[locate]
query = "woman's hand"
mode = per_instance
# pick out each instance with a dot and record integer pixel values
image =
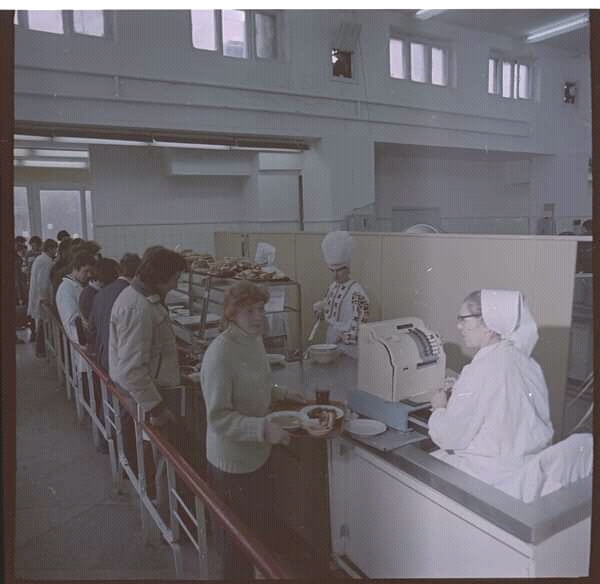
(275, 434)
(439, 399)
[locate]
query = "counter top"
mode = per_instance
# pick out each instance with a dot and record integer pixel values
(530, 522)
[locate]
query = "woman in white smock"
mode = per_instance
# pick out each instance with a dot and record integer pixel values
(497, 416)
(346, 304)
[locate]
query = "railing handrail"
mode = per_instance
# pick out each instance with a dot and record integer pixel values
(244, 537)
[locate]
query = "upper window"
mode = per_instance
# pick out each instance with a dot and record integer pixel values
(509, 78)
(85, 22)
(235, 33)
(417, 60)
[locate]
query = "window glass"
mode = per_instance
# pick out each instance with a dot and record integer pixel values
(266, 47)
(88, 215)
(234, 33)
(397, 59)
(506, 78)
(60, 210)
(438, 67)
(492, 67)
(203, 29)
(417, 62)
(21, 212)
(523, 89)
(90, 22)
(46, 20)
(16, 19)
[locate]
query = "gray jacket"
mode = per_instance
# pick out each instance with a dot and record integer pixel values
(142, 353)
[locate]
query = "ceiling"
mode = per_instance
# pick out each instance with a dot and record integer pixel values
(517, 23)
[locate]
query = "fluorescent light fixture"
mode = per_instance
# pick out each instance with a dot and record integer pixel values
(557, 28)
(107, 141)
(20, 152)
(196, 146)
(31, 138)
(427, 13)
(47, 153)
(40, 163)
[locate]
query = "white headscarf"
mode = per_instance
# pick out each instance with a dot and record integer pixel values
(337, 248)
(507, 313)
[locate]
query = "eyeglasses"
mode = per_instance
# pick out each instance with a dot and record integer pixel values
(463, 317)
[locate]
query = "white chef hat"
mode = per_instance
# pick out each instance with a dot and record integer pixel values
(337, 248)
(507, 313)
(265, 254)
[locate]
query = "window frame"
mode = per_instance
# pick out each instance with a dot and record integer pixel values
(250, 31)
(429, 43)
(515, 62)
(22, 17)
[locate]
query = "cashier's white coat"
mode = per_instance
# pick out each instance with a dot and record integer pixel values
(497, 417)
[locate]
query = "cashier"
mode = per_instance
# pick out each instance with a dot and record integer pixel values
(346, 304)
(497, 415)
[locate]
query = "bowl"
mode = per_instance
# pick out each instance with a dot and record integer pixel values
(323, 354)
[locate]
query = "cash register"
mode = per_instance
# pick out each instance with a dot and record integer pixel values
(401, 362)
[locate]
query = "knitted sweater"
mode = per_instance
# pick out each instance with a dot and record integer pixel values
(236, 384)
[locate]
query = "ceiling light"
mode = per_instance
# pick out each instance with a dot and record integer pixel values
(197, 146)
(45, 152)
(557, 28)
(106, 141)
(427, 13)
(49, 163)
(20, 152)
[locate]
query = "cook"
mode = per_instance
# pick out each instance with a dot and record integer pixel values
(236, 384)
(498, 414)
(346, 304)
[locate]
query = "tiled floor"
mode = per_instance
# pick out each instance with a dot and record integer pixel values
(69, 522)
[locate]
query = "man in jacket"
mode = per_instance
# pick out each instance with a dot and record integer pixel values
(142, 351)
(40, 288)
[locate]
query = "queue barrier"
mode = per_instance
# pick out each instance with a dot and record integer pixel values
(72, 363)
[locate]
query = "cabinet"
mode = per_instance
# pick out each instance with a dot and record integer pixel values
(390, 524)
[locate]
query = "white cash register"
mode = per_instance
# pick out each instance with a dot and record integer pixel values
(400, 364)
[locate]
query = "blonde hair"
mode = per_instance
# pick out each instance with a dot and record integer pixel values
(242, 294)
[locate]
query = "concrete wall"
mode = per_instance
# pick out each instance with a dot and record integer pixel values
(149, 76)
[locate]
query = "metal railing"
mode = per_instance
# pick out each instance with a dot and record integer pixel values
(170, 514)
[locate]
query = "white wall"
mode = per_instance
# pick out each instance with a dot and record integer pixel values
(149, 76)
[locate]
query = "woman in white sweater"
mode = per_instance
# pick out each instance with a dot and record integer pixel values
(236, 384)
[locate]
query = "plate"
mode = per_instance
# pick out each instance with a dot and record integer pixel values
(275, 359)
(306, 410)
(287, 419)
(365, 427)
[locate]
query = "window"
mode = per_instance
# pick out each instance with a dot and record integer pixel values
(419, 61)
(235, 33)
(341, 63)
(509, 78)
(21, 212)
(84, 22)
(61, 210)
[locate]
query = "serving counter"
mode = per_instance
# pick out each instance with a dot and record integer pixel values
(405, 514)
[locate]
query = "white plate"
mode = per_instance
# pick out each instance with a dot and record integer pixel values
(365, 427)
(306, 410)
(287, 419)
(274, 358)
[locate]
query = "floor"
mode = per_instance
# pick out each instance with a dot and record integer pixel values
(69, 522)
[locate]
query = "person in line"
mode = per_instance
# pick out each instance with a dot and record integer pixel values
(236, 383)
(346, 304)
(498, 413)
(105, 271)
(69, 290)
(62, 262)
(62, 235)
(102, 303)
(40, 288)
(142, 351)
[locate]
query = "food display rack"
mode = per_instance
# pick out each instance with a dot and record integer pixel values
(205, 294)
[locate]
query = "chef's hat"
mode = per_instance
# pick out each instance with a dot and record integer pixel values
(265, 254)
(507, 313)
(337, 248)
